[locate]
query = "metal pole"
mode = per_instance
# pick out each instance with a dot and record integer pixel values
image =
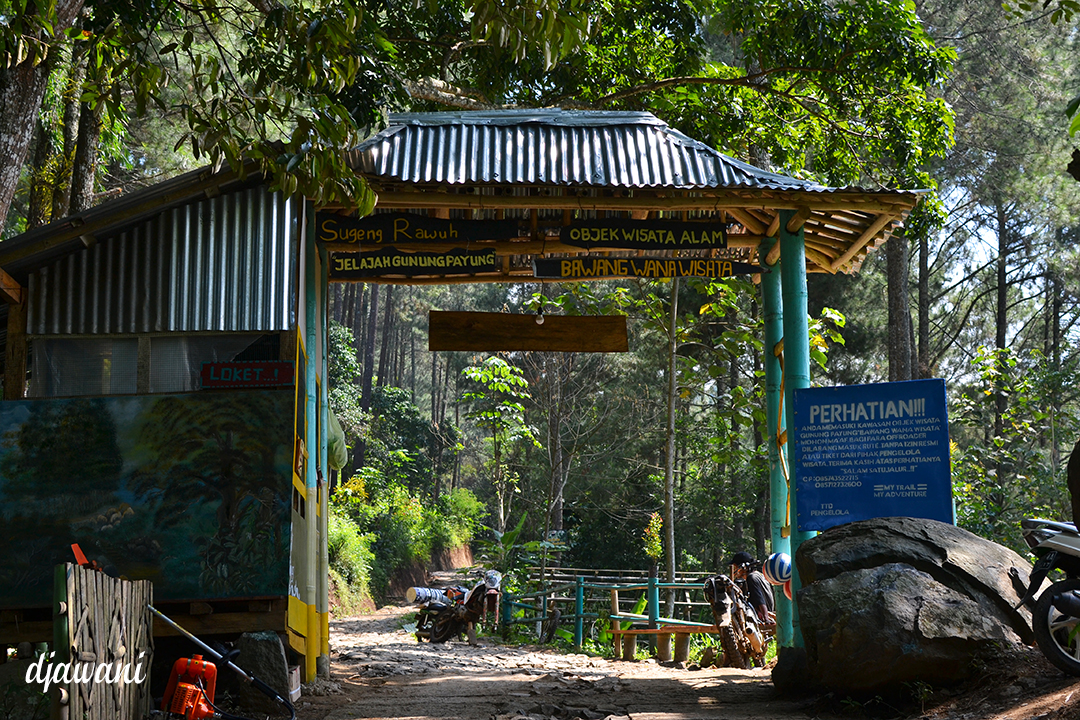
(796, 375)
(218, 658)
(579, 610)
(653, 601)
(773, 315)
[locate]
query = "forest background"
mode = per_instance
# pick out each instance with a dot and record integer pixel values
(967, 98)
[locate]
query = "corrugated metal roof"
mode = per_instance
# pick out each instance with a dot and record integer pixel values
(554, 147)
(224, 264)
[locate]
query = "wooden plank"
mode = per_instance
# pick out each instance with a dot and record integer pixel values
(504, 331)
(142, 366)
(222, 623)
(11, 291)
(15, 354)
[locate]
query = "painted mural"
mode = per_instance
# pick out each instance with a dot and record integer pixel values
(189, 491)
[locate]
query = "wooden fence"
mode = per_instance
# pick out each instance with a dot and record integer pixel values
(102, 622)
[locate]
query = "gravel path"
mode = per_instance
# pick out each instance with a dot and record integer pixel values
(381, 671)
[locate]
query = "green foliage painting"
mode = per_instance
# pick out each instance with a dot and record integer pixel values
(188, 491)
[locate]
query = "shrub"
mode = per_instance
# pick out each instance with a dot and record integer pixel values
(349, 553)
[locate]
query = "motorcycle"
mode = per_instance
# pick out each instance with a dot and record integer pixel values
(741, 636)
(450, 612)
(1056, 613)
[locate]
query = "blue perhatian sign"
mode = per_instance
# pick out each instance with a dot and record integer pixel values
(866, 451)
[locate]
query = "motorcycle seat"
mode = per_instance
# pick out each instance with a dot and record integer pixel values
(1054, 525)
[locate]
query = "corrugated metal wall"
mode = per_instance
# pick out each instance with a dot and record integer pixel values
(226, 264)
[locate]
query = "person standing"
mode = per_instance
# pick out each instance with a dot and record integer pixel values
(746, 571)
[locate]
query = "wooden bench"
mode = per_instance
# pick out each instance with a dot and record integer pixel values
(682, 632)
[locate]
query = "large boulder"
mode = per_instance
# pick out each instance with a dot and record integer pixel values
(890, 601)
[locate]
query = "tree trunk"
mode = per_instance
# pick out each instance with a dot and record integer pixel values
(924, 307)
(61, 200)
(22, 88)
(669, 463)
(41, 181)
(387, 330)
(900, 350)
(1001, 319)
(84, 166)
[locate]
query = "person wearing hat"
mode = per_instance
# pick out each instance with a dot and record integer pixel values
(746, 571)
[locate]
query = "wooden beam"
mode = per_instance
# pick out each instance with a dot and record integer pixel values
(798, 219)
(749, 221)
(774, 254)
(15, 354)
(819, 258)
(10, 289)
(504, 331)
(512, 247)
(774, 226)
(818, 202)
(868, 235)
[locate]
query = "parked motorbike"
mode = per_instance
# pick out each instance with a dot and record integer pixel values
(446, 613)
(1056, 614)
(741, 636)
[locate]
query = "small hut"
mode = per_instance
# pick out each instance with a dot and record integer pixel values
(165, 399)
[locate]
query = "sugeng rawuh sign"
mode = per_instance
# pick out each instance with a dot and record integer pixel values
(866, 451)
(391, 228)
(645, 234)
(351, 265)
(608, 267)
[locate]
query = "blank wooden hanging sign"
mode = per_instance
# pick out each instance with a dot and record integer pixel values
(491, 332)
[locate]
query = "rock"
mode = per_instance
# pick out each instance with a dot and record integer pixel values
(872, 630)
(263, 656)
(890, 601)
(972, 566)
(791, 674)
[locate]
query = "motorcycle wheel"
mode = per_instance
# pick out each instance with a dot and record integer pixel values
(1055, 632)
(443, 628)
(728, 641)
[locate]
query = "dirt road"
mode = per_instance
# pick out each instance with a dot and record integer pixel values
(380, 671)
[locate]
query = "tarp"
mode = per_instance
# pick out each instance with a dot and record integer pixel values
(336, 449)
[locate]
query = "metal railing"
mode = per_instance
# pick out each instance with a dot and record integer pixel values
(614, 602)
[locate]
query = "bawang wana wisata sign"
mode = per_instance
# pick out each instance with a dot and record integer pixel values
(592, 268)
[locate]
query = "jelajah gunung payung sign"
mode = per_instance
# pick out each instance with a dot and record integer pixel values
(865, 451)
(349, 266)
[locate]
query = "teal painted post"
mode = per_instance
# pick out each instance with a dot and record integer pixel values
(653, 601)
(579, 610)
(796, 375)
(772, 310)
(311, 441)
(507, 611)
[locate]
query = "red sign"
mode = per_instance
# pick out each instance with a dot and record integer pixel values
(246, 374)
